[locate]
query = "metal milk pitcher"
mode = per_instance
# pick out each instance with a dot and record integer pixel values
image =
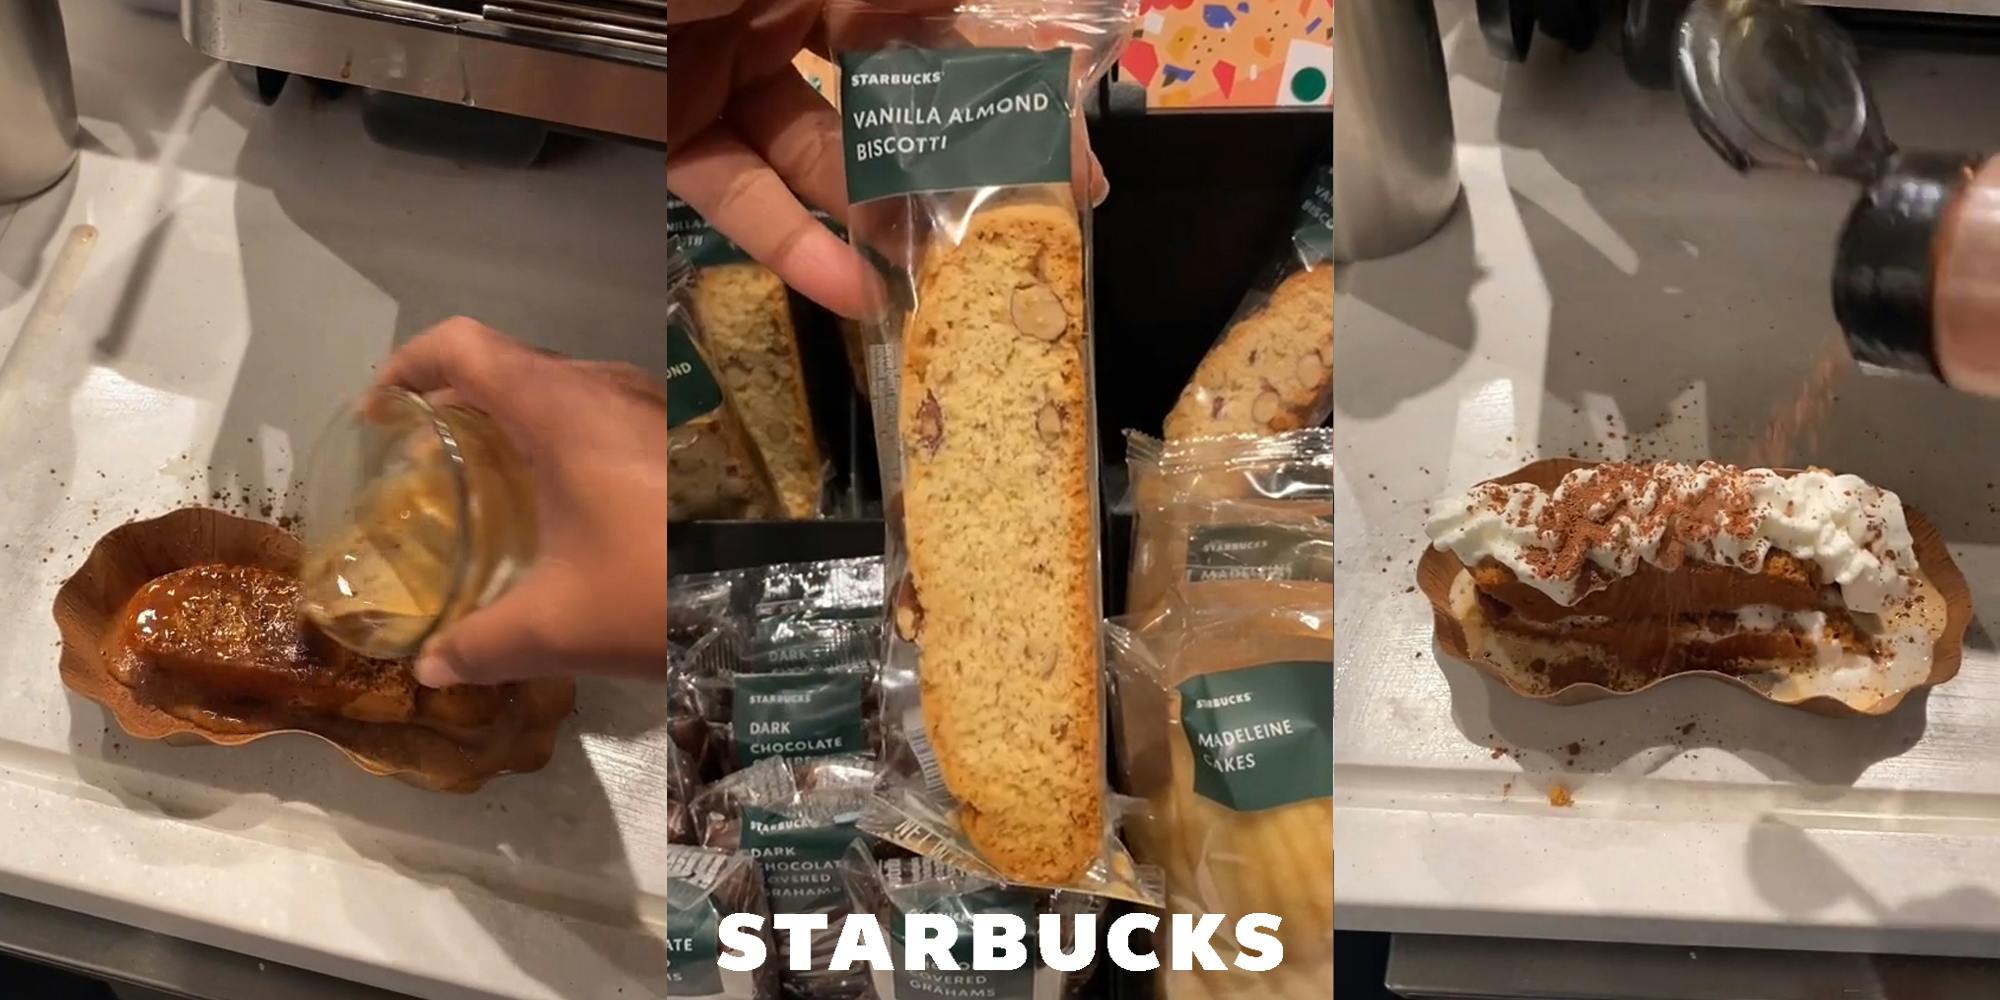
(37, 99)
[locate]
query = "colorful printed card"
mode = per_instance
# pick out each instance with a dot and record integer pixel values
(1232, 53)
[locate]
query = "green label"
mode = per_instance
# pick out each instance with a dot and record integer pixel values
(943, 120)
(808, 714)
(704, 246)
(697, 239)
(1313, 233)
(1259, 552)
(800, 858)
(1261, 736)
(937, 984)
(693, 941)
(691, 388)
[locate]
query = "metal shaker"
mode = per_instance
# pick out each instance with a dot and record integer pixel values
(1395, 176)
(37, 99)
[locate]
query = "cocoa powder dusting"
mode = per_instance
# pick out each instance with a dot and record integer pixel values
(1623, 502)
(1797, 421)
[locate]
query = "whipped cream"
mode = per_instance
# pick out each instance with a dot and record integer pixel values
(1613, 517)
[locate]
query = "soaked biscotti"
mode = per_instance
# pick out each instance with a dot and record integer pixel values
(1001, 592)
(1271, 371)
(745, 314)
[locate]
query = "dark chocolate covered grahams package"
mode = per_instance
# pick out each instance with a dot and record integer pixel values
(705, 886)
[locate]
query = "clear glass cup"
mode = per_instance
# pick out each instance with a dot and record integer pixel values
(415, 516)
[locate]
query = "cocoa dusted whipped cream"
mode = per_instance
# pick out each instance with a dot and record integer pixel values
(1600, 523)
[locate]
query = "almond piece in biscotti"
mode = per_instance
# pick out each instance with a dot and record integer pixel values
(1283, 349)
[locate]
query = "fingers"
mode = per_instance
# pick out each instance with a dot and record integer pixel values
(507, 640)
(799, 134)
(745, 200)
(460, 354)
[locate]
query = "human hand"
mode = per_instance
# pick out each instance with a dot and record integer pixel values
(593, 436)
(748, 137)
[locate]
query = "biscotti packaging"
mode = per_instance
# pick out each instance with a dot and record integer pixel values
(1240, 506)
(1272, 368)
(744, 313)
(703, 887)
(963, 154)
(894, 888)
(713, 469)
(798, 819)
(1225, 704)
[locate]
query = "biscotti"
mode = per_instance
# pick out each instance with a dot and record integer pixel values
(1000, 595)
(713, 470)
(745, 313)
(1271, 371)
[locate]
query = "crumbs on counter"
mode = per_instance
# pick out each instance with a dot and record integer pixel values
(1560, 797)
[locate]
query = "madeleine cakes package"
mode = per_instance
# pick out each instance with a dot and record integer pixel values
(960, 141)
(1272, 368)
(1225, 696)
(713, 469)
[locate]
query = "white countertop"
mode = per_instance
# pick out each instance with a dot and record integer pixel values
(251, 265)
(1608, 289)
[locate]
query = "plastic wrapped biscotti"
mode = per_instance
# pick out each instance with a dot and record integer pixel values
(745, 316)
(1225, 702)
(1272, 368)
(713, 469)
(961, 136)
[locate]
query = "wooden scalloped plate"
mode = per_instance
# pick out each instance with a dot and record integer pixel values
(87, 609)
(1437, 570)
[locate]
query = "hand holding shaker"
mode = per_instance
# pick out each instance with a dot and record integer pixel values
(1916, 282)
(37, 99)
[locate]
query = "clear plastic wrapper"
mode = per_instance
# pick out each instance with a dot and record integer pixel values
(1239, 505)
(892, 888)
(1225, 702)
(698, 603)
(963, 158)
(713, 468)
(748, 326)
(703, 887)
(798, 818)
(1272, 368)
(784, 659)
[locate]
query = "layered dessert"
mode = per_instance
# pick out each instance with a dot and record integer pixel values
(1799, 584)
(227, 644)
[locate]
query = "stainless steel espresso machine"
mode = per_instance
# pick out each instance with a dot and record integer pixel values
(594, 65)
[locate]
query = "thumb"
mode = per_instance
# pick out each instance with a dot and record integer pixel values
(512, 639)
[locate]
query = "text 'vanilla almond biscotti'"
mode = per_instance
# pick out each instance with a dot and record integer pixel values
(959, 132)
